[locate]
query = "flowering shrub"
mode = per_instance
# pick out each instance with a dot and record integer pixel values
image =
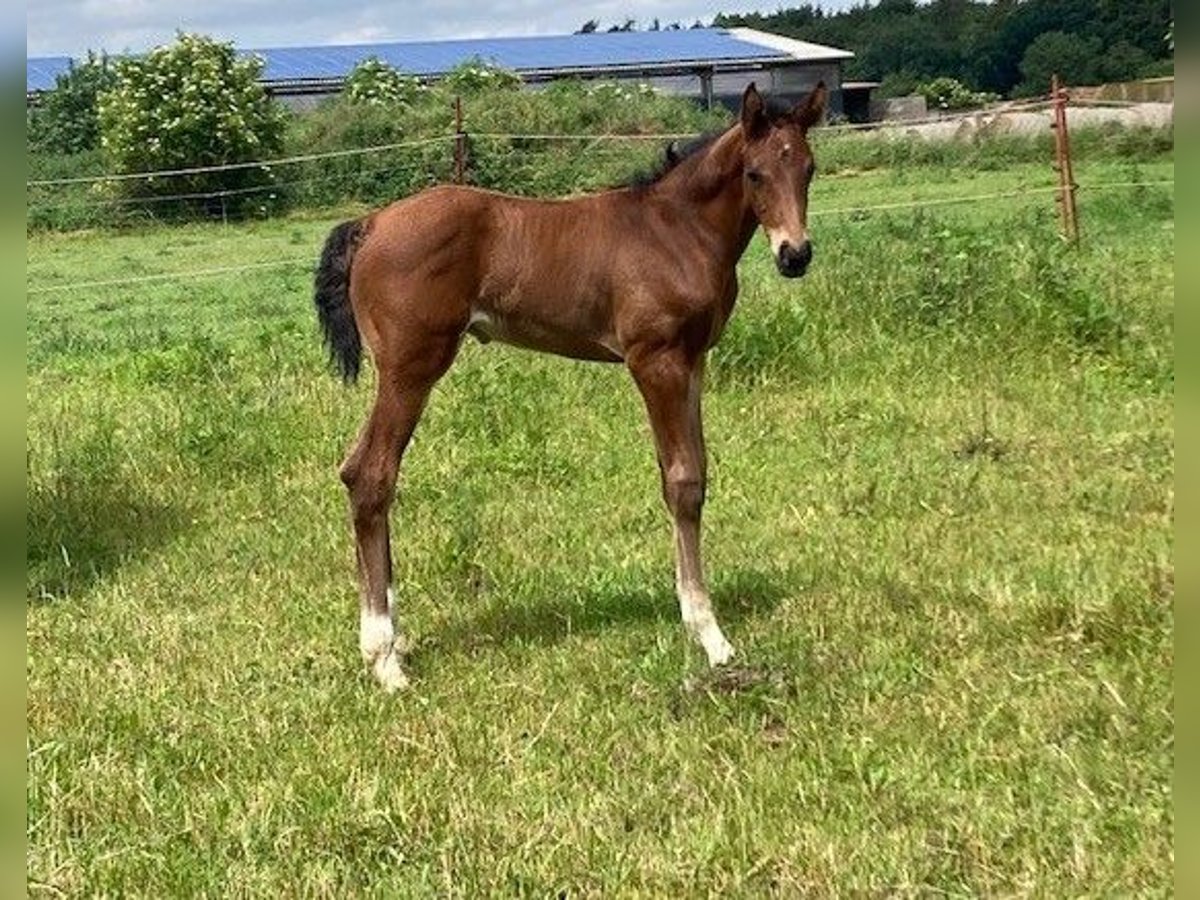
(950, 93)
(619, 91)
(374, 83)
(187, 104)
(475, 76)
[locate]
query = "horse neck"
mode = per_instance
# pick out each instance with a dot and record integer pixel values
(711, 182)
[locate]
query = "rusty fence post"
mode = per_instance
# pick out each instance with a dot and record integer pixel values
(460, 142)
(1062, 163)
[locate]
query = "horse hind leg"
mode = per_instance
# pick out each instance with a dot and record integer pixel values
(370, 473)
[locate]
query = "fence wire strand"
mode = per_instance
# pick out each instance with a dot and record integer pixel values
(851, 210)
(232, 167)
(215, 195)
(171, 276)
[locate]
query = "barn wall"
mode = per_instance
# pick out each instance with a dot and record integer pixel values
(788, 81)
(791, 82)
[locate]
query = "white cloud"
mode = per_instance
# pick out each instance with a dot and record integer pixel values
(364, 34)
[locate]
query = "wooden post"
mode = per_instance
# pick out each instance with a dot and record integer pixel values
(460, 142)
(706, 87)
(1062, 163)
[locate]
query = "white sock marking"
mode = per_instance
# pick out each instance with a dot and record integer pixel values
(700, 622)
(380, 648)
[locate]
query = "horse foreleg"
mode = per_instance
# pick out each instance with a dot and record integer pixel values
(670, 384)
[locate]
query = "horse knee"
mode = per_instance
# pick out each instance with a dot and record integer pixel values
(684, 495)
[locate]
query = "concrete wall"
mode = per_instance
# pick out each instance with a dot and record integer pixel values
(1150, 90)
(898, 108)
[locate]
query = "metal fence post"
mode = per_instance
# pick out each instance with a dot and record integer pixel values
(460, 142)
(1062, 163)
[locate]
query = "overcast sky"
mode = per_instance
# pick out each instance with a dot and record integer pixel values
(71, 27)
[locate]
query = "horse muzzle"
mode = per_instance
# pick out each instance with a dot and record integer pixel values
(792, 261)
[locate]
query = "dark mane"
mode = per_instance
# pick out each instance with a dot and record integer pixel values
(674, 153)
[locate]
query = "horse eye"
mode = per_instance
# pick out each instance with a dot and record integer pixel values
(754, 175)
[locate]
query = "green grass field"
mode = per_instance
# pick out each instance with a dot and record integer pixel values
(939, 533)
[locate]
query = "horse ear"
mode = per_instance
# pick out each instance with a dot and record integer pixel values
(808, 111)
(754, 112)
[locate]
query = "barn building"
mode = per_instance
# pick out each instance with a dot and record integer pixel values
(713, 65)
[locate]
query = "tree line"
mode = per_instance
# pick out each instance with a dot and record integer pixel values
(1008, 47)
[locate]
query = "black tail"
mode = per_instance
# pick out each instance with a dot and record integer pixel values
(332, 298)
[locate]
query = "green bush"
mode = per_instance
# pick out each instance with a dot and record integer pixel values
(1158, 69)
(192, 103)
(950, 93)
(475, 76)
(514, 164)
(897, 84)
(986, 150)
(1071, 56)
(1122, 62)
(374, 83)
(65, 120)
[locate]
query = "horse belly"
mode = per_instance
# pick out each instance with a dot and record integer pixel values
(488, 326)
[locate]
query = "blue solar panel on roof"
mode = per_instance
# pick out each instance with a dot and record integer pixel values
(41, 72)
(549, 52)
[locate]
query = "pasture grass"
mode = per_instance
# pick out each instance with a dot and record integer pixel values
(939, 534)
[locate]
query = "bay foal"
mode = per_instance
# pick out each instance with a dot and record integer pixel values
(644, 275)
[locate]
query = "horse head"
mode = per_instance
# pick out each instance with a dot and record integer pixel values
(778, 168)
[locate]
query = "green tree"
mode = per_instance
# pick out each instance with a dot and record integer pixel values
(911, 45)
(1123, 61)
(191, 103)
(1137, 22)
(66, 118)
(1072, 57)
(979, 42)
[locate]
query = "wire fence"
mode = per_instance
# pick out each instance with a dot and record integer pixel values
(266, 188)
(308, 262)
(264, 164)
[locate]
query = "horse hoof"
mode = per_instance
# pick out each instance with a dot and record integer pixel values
(389, 674)
(716, 647)
(720, 656)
